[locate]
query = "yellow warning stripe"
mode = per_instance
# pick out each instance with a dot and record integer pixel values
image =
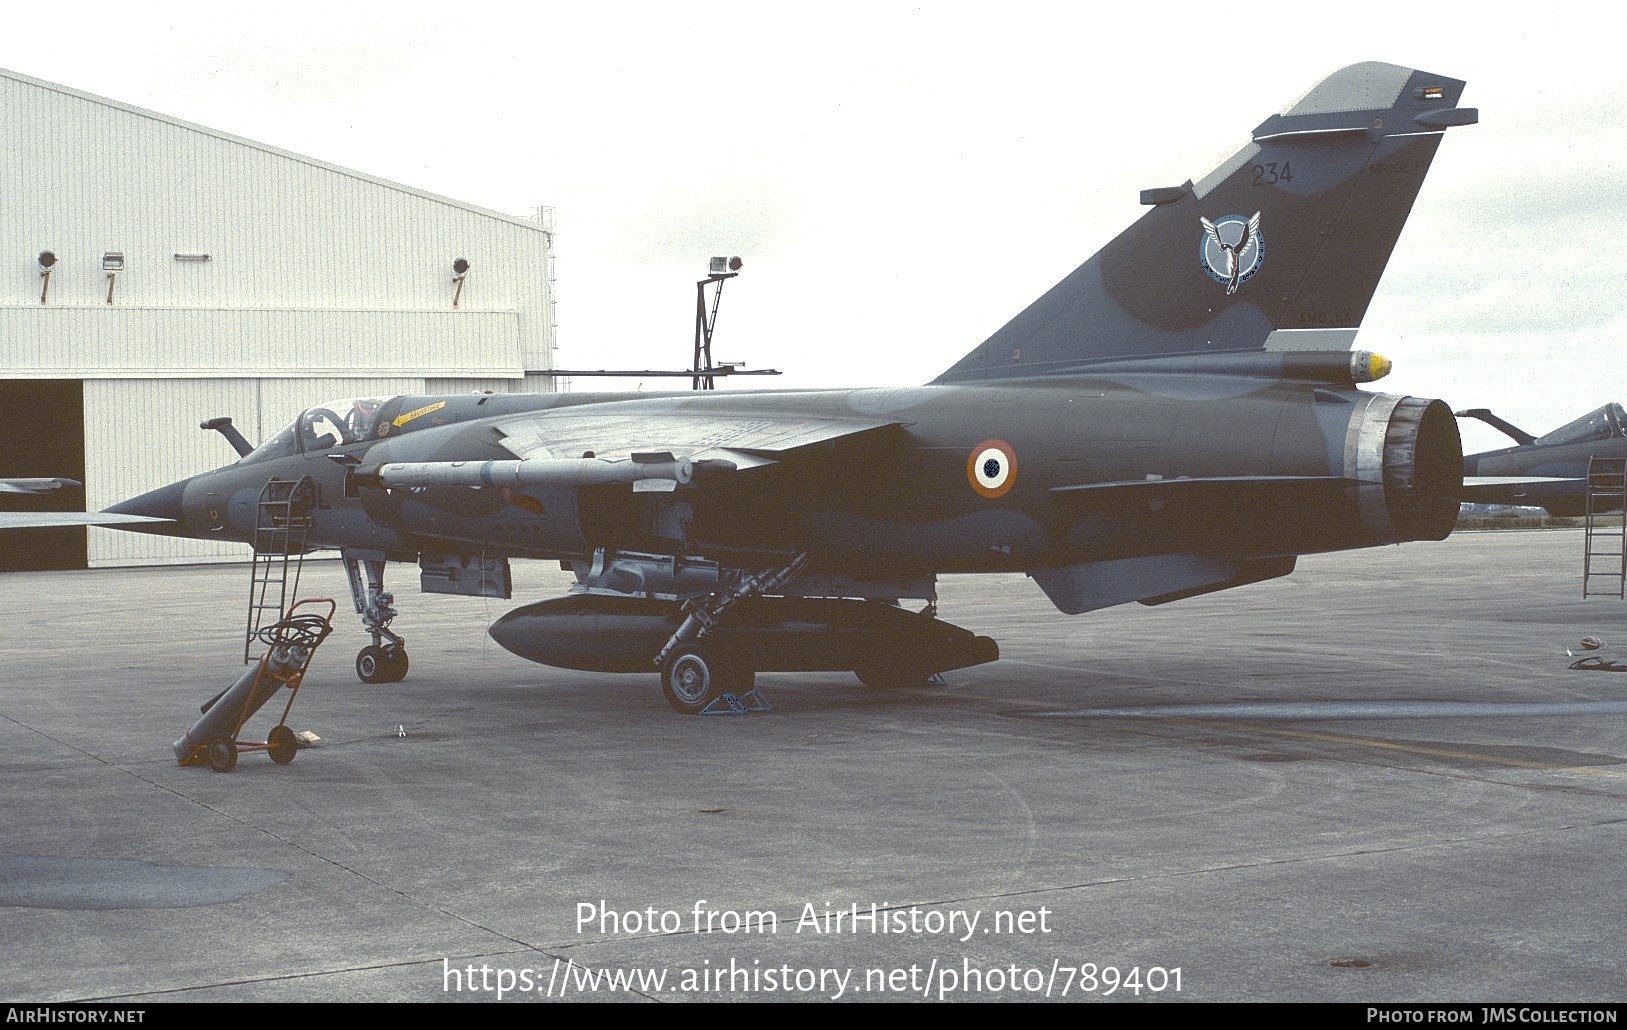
(401, 420)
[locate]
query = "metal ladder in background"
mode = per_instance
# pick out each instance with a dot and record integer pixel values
(281, 522)
(1604, 565)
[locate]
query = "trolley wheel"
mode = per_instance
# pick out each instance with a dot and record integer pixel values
(222, 755)
(282, 745)
(395, 664)
(370, 665)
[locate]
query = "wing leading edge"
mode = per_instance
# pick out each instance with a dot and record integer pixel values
(696, 435)
(54, 519)
(652, 452)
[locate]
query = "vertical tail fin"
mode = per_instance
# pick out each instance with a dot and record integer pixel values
(1279, 248)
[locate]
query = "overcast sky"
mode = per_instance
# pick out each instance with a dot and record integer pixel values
(901, 179)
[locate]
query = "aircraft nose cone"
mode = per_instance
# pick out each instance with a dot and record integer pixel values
(163, 503)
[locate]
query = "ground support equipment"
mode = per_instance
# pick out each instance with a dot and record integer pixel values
(292, 642)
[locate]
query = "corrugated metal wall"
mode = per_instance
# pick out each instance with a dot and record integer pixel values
(477, 385)
(318, 283)
(191, 343)
(84, 177)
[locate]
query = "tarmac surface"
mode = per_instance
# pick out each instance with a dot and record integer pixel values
(1373, 781)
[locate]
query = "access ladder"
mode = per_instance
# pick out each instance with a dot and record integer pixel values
(1604, 564)
(282, 519)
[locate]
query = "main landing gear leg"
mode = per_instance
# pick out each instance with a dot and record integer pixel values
(693, 673)
(385, 659)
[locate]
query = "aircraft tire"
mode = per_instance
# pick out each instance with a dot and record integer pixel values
(371, 666)
(395, 664)
(222, 755)
(693, 678)
(282, 745)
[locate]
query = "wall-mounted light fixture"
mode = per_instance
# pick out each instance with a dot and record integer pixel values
(47, 262)
(191, 257)
(460, 270)
(112, 264)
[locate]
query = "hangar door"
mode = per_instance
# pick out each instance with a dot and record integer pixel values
(42, 433)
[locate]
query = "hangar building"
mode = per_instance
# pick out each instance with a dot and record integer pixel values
(155, 273)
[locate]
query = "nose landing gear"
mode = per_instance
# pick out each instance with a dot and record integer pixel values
(385, 659)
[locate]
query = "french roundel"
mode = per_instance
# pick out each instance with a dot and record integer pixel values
(992, 468)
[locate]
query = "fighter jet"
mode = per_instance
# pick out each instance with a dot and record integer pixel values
(1179, 415)
(1548, 471)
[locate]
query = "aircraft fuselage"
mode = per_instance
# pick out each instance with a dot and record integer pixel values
(1178, 415)
(1084, 469)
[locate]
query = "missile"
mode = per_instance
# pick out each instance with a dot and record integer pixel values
(647, 472)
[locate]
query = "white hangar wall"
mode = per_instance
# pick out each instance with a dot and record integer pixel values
(200, 274)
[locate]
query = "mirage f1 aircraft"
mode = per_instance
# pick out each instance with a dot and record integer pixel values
(1179, 415)
(1548, 471)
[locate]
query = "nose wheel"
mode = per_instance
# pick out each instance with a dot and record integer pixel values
(386, 664)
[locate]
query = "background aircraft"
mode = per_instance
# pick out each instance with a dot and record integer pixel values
(1178, 415)
(1548, 471)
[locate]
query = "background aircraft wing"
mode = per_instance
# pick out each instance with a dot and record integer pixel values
(1529, 491)
(35, 486)
(50, 519)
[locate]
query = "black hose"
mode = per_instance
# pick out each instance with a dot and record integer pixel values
(298, 630)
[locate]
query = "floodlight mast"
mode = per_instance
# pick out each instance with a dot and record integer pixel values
(722, 269)
(701, 371)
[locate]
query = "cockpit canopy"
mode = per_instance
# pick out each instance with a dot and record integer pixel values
(1607, 423)
(326, 425)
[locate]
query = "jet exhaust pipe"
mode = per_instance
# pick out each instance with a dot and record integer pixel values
(601, 633)
(1407, 458)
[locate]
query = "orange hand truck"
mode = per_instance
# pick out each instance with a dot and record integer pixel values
(291, 644)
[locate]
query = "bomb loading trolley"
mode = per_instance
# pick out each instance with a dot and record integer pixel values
(292, 642)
